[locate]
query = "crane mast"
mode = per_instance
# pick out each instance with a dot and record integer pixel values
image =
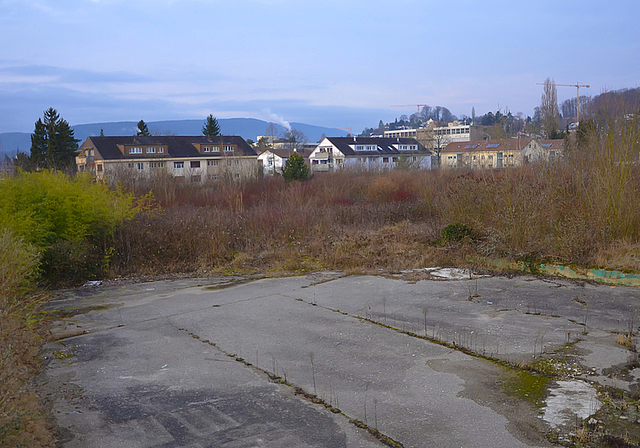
(577, 86)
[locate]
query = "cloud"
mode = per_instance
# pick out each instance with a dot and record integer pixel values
(70, 75)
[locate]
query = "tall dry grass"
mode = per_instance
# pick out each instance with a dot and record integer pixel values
(582, 210)
(22, 420)
(391, 221)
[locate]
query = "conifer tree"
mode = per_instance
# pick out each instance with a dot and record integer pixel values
(211, 127)
(295, 168)
(53, 144)
(143, 130)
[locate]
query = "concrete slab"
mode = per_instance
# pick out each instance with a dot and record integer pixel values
(149, 363)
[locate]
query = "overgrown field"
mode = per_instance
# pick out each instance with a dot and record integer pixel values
(562, 213)
(56, 230)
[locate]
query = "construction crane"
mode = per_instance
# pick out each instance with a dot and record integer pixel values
(412, 105)
(350, 130)
(577, 86)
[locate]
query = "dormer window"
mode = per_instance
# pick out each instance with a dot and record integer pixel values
(151, 149)
(135, 150)
(206, 149)
(228, 148)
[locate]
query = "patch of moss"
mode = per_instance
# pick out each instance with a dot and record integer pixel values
(553, 367)
(527, 386)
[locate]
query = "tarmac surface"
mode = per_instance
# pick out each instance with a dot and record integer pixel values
(227, 362)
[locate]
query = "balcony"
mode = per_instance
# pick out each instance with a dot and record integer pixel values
(321, 156)
(322, 167)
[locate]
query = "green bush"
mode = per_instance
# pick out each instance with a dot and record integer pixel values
(18, 268)
(68, 220)
(456, 232)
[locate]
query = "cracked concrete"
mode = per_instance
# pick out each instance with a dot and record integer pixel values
(150, 362)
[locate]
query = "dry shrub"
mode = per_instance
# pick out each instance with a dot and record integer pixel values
(620, 255)
(22, 421)
(625, 339)
(578, 210)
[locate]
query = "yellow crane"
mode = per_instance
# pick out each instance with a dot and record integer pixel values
(350, 130)
(577, 86)
(411, 105)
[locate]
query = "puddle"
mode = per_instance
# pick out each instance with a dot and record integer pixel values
(453, 273)
(568, 400)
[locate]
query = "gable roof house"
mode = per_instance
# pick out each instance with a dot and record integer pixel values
(274, 159)
(480, 154)
(369, 153)
(187, 158)
(553, 149)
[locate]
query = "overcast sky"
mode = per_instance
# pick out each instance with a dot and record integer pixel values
(330, 63)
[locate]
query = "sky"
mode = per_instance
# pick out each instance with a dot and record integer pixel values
(329, 63)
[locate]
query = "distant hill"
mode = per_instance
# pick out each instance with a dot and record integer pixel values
(13, 142)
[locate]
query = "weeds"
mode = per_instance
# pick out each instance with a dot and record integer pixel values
(22, 422)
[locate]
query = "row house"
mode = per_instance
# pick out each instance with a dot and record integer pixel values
(369, 153)
(187, 158)
(503, 153)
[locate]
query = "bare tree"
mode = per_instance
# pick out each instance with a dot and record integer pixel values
(549, 108)
(271, 133)
(294, 139)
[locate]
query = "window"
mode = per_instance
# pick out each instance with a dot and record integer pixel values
(178, 165)
(207, 149)
(160, 150)
(491, 157)
(151, 149)
(131, 165)
(135, 150)
(156, 164)
(395, 160)
(385, 160)
(212, 163)
(99, 168)
(195, 164)
(215, 149)
(228, 148)
(237, 162)
(195, 179)
(140, 165)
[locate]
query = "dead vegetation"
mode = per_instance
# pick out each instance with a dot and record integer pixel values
(390, 221)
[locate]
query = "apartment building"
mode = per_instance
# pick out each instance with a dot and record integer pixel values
(186, 158)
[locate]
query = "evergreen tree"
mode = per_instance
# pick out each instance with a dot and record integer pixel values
(295, 168)
(211, 127)
(53, 144)
(143, 130)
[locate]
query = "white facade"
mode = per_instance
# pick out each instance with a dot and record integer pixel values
(272, 163)
(456, 132)
(368, 154)
(401, 133)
